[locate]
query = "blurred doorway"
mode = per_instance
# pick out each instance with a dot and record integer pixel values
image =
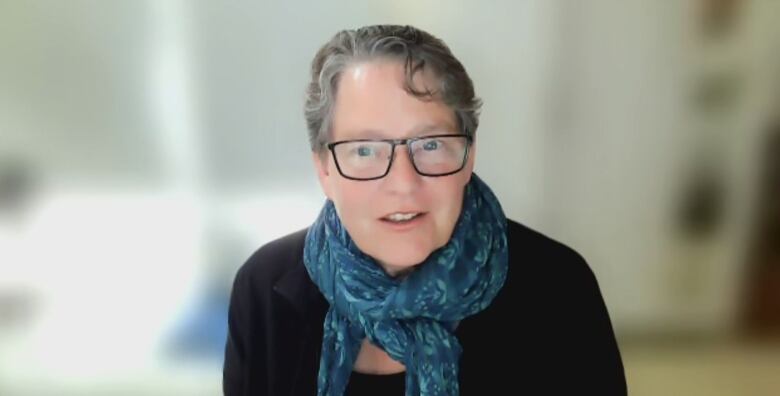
(762, 290)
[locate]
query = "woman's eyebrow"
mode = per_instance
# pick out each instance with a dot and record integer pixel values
(366, 134)
(428, 128)
(421, 130)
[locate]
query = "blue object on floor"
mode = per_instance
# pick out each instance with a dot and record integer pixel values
(202, 333)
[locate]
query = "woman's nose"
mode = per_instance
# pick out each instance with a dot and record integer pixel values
(402, 177)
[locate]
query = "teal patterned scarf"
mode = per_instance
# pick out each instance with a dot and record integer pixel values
(412, 319)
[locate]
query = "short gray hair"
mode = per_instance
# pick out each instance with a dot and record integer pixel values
(417, 50)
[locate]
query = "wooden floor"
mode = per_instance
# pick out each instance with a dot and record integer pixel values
(722, 369)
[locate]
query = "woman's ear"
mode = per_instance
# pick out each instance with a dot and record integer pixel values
(470, 161)
(472, 156)
(320, 160)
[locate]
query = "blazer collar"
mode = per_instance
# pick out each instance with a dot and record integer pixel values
(295, 285)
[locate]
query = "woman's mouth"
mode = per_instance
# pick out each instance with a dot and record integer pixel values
(403, 218)
(400, 217)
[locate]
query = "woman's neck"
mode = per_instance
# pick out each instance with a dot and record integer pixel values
(373, 360)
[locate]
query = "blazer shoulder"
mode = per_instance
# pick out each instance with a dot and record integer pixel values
(544, 253)
(272, 260)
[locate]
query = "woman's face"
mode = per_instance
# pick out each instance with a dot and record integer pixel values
(372, 103)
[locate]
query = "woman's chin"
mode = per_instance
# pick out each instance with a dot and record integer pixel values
(401, 264)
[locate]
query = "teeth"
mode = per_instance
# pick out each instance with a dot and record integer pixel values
(402, 216)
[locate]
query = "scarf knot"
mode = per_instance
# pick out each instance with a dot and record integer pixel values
(412, 319)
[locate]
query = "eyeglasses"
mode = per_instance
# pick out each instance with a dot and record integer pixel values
(370, 159)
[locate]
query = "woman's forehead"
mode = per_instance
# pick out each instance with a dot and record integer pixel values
(372, 102)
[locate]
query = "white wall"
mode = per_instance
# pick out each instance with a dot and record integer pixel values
(185, 118)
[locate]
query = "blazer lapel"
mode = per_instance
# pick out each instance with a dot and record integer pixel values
(296, 288)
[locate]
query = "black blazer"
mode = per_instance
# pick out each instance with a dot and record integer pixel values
(546, 333)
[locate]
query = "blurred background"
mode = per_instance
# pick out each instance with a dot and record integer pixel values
(147, 148)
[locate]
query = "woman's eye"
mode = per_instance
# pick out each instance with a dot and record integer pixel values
(431, 145)
(364, 151)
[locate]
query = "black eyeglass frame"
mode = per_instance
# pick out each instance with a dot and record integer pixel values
(398, 142)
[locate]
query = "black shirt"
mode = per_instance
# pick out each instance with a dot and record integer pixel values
(376, 385)
(546, 333)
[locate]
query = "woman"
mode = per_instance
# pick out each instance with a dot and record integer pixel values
(411, 280)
